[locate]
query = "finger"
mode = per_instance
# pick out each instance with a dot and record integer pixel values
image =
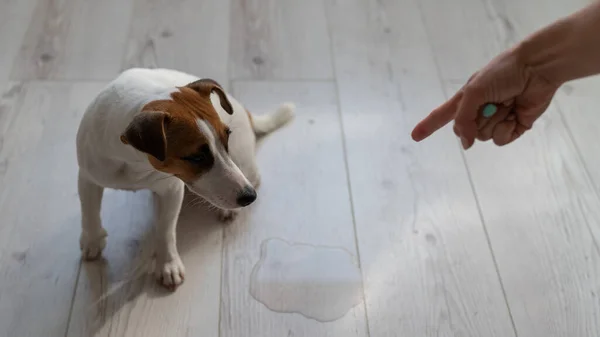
(485, 133)
(527, 117)
(517, 124)
(503, 132)
(509, 131)
(439, 117)
(466, 115)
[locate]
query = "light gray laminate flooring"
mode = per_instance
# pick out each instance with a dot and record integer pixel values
(413, 240)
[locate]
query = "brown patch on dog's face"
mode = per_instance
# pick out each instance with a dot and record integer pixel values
(188, 153)
(167, 130)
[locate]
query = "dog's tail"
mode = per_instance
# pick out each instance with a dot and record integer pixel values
(265, 124)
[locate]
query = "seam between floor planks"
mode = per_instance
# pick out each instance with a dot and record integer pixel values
(470, 178)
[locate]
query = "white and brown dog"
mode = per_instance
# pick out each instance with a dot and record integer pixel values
(162, 130)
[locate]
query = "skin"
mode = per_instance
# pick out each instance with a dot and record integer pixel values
(521, 82)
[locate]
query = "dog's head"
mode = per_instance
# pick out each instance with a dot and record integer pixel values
(184, 136)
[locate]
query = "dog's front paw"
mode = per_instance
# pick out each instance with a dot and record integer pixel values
(227, 215)
(170, 273)
(92, 244)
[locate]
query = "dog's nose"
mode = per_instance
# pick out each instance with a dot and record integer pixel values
(247, 196)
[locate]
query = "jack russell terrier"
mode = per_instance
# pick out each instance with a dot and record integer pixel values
(162, 130)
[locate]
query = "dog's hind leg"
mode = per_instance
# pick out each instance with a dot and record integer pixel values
(93, 235)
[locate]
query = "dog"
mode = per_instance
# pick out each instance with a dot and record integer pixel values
(163, 130)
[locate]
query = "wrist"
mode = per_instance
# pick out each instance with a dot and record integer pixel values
(568, 49)
(552, 53)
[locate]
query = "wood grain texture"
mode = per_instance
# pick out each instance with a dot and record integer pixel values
(39, 217)
(74, 40)
(187, 35)
(427, 266)
(15, 16)
(303, 198)
(578, 102)
(279, 39)
(118, 296)
(537, 201)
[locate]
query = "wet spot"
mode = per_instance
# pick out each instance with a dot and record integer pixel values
(430, 238)
(311, 121)
(46, 57)
(258, 60)
(387, 30)
(317, 282)
(166, 33)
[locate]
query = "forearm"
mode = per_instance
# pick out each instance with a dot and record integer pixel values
(567, 49)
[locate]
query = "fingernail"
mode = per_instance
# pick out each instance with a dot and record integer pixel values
(465, 143)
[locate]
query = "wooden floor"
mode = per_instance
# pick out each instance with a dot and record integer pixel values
(494, 242)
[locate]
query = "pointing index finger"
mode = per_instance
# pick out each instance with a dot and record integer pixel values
(439, 117)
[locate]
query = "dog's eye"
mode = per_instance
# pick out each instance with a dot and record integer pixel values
(203, 156)
(196, 159)
(228, 131)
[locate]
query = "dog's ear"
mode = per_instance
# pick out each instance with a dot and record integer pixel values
(146, 133)
(206, 86)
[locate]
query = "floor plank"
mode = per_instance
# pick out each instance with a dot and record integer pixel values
(537, 201)
(14, 18)
(413, 217)
(119, 297)
(75, 40)
(578, 102)
(302, 199)
(39, 217)
(187, 35)
(283, 39)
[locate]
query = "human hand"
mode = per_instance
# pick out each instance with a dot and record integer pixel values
(520, 94)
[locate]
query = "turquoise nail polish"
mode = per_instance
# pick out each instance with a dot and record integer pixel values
(489, 110)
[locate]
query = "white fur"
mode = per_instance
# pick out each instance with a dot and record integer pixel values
(268, 123)
(105, 162)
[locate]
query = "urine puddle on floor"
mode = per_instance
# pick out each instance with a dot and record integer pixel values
(320, 283)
